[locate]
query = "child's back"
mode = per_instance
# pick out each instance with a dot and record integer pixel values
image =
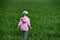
(24, 23)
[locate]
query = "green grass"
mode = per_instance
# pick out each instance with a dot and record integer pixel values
(44, 15)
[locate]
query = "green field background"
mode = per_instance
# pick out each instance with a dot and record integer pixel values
(44, 16)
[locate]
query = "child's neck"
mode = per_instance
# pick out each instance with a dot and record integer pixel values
(25, 16)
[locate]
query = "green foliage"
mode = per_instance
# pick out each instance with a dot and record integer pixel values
(44, 15)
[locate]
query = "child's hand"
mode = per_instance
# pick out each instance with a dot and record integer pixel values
(30, 27)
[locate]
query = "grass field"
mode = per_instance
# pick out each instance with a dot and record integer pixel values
(44, 15)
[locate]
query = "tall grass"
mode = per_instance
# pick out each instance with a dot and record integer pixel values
(44, 16)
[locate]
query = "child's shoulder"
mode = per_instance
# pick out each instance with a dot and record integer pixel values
(28, 18)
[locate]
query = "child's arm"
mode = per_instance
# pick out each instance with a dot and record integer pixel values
(19, 24)
(29, 25)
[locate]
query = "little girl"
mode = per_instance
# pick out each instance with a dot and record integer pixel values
(24, 25)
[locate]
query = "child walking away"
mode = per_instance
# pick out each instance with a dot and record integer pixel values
(24, 25)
